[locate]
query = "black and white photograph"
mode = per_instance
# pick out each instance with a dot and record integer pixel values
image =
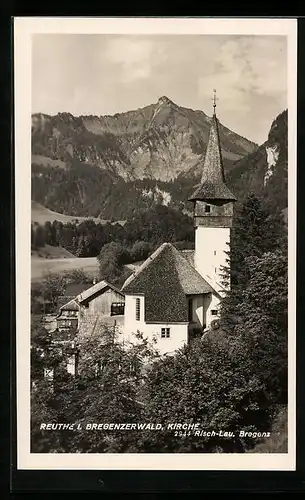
(155, 226)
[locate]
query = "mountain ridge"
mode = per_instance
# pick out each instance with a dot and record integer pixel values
(265, 171)
(158, 141)
(112, 166)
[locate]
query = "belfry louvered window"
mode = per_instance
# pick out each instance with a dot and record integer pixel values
(138, 309)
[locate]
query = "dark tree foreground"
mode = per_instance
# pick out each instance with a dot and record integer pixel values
(232, 382)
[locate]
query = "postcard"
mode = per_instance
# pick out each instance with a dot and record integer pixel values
(155, 187)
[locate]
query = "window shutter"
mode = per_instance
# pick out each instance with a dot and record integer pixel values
(137, 309)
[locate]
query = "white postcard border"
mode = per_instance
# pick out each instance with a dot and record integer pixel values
(24, 28)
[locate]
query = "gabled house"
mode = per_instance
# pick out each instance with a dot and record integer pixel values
(102, 303)
(67, 313)
(98, 305)
(68, 316)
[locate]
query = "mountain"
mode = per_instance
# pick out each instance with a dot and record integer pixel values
(159, 141)
(264, 171)
(111, 167)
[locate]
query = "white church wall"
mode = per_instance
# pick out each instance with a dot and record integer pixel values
(152, 331)
(211, 303)
(178, 336)
(198, 310)
(203, 305)
(131, 324)
(211, 243)
(198, 318)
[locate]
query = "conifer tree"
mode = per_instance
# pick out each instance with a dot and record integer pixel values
(257, 229)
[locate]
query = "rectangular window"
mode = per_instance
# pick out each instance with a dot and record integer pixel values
(190, 311)
(207, 208)
(117, 308)
(138, 309)
(165, 333)
(214, 252)
(214, 312)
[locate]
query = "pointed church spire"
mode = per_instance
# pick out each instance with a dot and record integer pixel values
(212, 184)
(214, 101)
(213, 165)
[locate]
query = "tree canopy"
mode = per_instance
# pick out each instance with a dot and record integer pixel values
(233, 379)
(145, 227)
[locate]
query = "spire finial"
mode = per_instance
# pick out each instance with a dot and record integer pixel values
(214, 100)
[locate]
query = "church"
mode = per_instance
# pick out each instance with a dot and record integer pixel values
(175, 294)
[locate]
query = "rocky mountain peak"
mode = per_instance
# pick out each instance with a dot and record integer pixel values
(165, 100)
(160, 141)
(264, 171)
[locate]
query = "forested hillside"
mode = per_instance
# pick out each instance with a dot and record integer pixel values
(85, 184)
(87, 238)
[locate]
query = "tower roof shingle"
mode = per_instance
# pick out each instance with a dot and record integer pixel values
(212, 185)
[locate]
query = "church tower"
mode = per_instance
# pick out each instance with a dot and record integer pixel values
(213, 213)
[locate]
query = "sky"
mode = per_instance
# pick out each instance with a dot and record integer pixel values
(108, 74)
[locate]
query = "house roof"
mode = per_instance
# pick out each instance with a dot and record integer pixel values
(72, 290)
(189, 255)
(212, 185)
(96, 289)
(72, 305)
(165, 279)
